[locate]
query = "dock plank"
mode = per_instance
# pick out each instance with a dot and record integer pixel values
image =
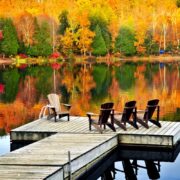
(11, 172)
(53, 151)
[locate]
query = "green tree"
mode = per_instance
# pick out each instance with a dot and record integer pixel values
(103, 25)
(124, 42)
(99, 45)
(64, 23)
(9, 44)
(42, 41)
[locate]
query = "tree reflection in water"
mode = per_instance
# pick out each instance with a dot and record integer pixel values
(86, 87)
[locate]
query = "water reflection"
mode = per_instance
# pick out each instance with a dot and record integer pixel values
(24, 89)
(128, 163)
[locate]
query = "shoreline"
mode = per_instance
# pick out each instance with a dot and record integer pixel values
(8, 61)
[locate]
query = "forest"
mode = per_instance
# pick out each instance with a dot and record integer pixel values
(51, 28)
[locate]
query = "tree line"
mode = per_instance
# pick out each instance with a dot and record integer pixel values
(96, 27)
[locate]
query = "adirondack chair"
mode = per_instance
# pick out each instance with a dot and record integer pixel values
(101, 119)
(152, 105)
(55, 107)
(127, 116)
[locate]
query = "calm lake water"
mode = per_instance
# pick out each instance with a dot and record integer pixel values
(24, 89)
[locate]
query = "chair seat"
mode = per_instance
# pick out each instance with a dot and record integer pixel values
(62, 112)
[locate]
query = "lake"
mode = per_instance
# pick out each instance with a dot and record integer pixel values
(24, 89)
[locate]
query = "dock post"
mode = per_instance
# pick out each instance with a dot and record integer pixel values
(69, 160)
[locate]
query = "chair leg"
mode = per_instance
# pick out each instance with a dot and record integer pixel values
(121, 125)
(143, 123)
(133, 124)
(98, 128)
(157, 123)
(89, 124)
(68, 117)
(111, 126)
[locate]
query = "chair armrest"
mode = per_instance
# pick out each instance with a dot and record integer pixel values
(49, 106)
(68, 106)
(91, 114)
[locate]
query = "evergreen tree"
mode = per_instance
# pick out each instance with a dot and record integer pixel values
(104, 30)
(63, 19)
(124, 42)
(42, 39)
(99, 45)
(9, 44)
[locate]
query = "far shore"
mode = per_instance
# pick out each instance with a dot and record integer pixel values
(161, 58)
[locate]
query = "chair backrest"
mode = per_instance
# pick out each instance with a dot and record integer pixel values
(106, 109)
(150, 108)
(54, 100)
(129, 108)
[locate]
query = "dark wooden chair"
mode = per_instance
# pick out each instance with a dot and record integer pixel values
(152, 105)
(55, 107)
(106, 111)
(127, 116)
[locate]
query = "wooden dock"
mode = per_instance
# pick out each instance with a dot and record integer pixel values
(50, 153)
(53, 151)
(168, 135)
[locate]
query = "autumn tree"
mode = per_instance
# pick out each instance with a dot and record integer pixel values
(99, 45)
(85, 35)
(125, 41)
(67, 42)
(25, 28)
(9, 44)
(41, 44)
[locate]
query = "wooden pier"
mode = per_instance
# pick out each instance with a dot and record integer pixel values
(168, 135)
(48, 157)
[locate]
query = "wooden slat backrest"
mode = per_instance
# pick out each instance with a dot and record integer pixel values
(106, 109)
(128, 110)
(150, 108)
(54, 100)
